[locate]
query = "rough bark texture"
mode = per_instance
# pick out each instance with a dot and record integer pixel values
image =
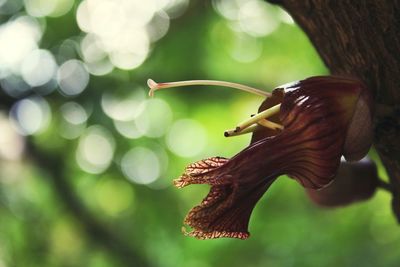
(362, 39)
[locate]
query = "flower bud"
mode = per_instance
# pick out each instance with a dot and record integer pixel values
(354, 181)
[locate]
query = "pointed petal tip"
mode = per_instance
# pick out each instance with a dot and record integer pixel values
(180, 183)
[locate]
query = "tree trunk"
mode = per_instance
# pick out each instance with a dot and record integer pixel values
(362, 39)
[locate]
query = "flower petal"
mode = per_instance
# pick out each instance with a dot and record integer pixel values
(197, 173)
(226, 210)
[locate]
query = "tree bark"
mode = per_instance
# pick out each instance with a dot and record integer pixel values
(362, 39)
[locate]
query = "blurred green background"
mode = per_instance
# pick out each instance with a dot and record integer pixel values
(87, 159)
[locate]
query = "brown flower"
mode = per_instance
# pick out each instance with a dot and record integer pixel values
(302, 130)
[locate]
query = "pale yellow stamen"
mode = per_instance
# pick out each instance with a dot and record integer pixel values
(264, 123)
(270, 124)
(154, 86)
(232, 132)
(258, 117)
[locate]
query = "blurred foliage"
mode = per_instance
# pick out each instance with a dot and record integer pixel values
(86, 175)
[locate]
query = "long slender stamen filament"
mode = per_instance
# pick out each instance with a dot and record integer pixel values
(232, 132)
(270, 124)
(154, 86)
(256, 118)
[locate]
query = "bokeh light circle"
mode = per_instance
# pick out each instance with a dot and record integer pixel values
(141, 165)
(18, 38)
(30, 115)
(72, 77)
(95, 150)
(74, 113)
(38, 68)
(155, 118)
(123, 108)
(186, 138)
